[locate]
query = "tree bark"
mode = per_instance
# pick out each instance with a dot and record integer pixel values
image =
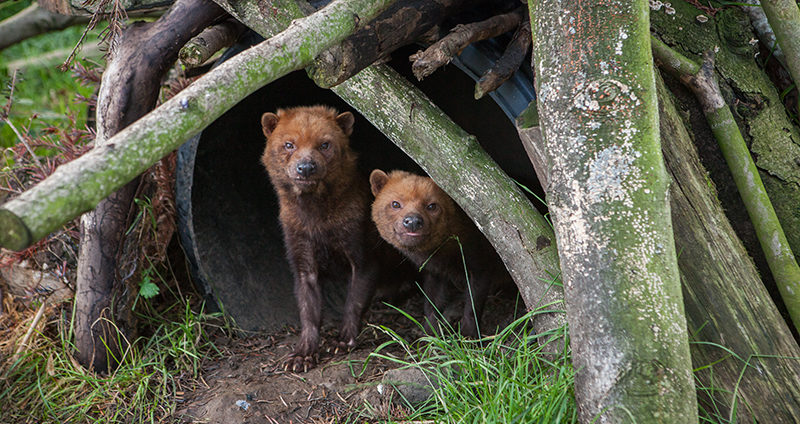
(609, 202)
(128, 90)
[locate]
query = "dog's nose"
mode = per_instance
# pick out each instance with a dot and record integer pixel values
(413, 222)
(306, 168)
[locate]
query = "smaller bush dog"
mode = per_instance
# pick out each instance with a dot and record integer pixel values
(418, 218)
(324, 213)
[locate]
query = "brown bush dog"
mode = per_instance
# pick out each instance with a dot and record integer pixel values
(324, 213)
(418, 218)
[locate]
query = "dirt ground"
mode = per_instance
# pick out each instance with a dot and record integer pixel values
(248, 384)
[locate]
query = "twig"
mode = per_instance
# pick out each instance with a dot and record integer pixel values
(4, 117)
(508, 63)
(443, 51)
(26, 338)
(7, 108)
(702, 81)
(110, 35)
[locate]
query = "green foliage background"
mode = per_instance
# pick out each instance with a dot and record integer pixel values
(43, 95)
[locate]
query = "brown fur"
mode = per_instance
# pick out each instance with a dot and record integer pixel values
(403, 197)
(324, 215)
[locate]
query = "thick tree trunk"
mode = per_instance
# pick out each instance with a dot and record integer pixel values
(608, 197)
(129, 89)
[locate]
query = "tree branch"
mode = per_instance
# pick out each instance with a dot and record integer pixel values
(443, 51)
(784, 19)
(213, 39)
(33, 21)
(400, 25)
(508, 63)
(457, 163)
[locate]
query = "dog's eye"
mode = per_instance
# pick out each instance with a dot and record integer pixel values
(432, 207)
(325, 146)
(396, 205)
(288, 145)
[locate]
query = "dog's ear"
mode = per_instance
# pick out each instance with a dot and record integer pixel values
(269, 121)
(377, 180)
(345, 121)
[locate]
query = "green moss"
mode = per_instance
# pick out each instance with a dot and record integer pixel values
(529, 117)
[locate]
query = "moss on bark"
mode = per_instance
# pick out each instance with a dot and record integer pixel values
(762, 119)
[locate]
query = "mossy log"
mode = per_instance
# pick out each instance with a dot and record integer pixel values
(608, 196)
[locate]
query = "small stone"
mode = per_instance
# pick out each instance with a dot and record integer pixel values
(412, 383)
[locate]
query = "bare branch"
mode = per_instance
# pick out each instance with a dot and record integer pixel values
(508, 63)
(443, 51)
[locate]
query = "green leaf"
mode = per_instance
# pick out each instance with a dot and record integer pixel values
(147, 288)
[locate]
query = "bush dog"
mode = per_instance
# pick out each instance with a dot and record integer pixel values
(324, 213)
(418, 218)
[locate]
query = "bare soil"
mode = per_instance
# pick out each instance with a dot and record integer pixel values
(249, 385)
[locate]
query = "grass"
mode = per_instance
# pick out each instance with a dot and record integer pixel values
(505, 378)
(47, 385)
